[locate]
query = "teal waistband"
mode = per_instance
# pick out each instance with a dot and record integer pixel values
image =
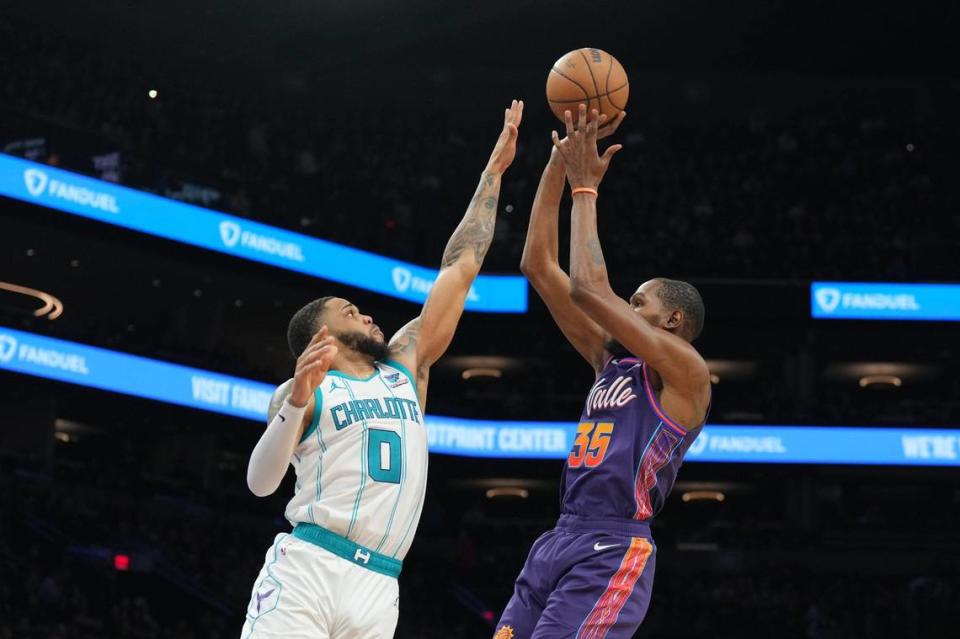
(343, 547)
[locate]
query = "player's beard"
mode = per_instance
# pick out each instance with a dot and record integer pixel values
(365, 345)
(616, 349)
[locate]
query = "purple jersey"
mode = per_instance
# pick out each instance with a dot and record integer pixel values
(627, 452)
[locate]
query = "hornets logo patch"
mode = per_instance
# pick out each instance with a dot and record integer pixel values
(394, 380)
(505, 632)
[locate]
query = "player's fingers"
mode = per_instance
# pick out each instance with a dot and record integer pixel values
(592, 120)
(319, 335)
(313, 366)
(511, 132)
(609, 153)
(568, 120)
(582, 118)
(602, 120)
(519, 113)
(556, 139)
(313, 351)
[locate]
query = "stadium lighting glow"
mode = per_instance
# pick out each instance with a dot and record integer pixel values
(470, 373)
(508, 491)
(703, 495)
(152, 93)
(876, 380)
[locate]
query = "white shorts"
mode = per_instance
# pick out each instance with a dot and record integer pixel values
(303, 591)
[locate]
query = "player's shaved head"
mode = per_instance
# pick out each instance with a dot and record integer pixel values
(305, 323)
(676, 295)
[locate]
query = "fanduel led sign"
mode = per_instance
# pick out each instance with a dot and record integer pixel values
(147, 213)
(879, 301)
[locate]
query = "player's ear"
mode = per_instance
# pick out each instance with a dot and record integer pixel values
(674, 320)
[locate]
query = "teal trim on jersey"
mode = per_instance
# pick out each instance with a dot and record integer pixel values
(256, 587)
(346, 549)
(317, 410)
(403, 470)
(352, 378)
(406, 371)
(363, 465)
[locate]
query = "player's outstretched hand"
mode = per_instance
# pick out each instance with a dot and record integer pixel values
(506, 148)
(606, 129)
(312, 366)
(585, 166)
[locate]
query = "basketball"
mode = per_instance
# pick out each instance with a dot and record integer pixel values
(587, 76)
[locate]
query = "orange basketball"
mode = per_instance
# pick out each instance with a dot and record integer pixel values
(587, 76)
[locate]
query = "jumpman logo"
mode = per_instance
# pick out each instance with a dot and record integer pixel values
(335, 387)
(260, 598)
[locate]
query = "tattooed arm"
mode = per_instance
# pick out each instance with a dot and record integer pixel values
(424, 340)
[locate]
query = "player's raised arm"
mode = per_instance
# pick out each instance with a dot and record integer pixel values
(422, 341)
(684, 372)
(540, 262)
(291, 409)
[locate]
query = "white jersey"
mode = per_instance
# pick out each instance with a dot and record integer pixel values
(362, 463)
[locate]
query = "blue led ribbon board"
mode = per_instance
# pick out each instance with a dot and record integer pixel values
(92, 367)
(877, 301)
(154, 215)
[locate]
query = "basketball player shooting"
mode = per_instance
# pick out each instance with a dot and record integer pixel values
(592, 575)
(351, 424)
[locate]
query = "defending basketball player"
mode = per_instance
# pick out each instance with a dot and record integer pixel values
(592, 575)
(351, 424)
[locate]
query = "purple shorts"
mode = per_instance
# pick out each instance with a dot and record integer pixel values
(588, 578)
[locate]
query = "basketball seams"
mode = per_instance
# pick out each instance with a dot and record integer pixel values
(586, 94)
(593, 78)
(606, 83)
(588, 97)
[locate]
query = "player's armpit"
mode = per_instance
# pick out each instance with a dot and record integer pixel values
(403, 350)
(586, 336)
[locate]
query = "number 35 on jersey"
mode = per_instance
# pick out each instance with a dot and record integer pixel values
(590, 444)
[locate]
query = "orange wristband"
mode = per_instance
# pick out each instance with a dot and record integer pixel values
(585, 189)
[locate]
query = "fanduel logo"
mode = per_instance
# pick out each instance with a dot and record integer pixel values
(36, 181)
(232, 234)
(401, 279)
(699, 444)
(737, 444)
(831, 299)
(229, 233)
(46, 357)
(8, 346)
(38, 184)
(828, 299)
(404, 280)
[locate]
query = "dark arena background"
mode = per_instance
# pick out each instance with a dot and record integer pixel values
(166, 170)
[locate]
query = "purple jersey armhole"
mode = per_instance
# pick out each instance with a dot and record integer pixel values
(680, 430)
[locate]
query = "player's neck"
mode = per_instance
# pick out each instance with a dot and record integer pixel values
(354, 364)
